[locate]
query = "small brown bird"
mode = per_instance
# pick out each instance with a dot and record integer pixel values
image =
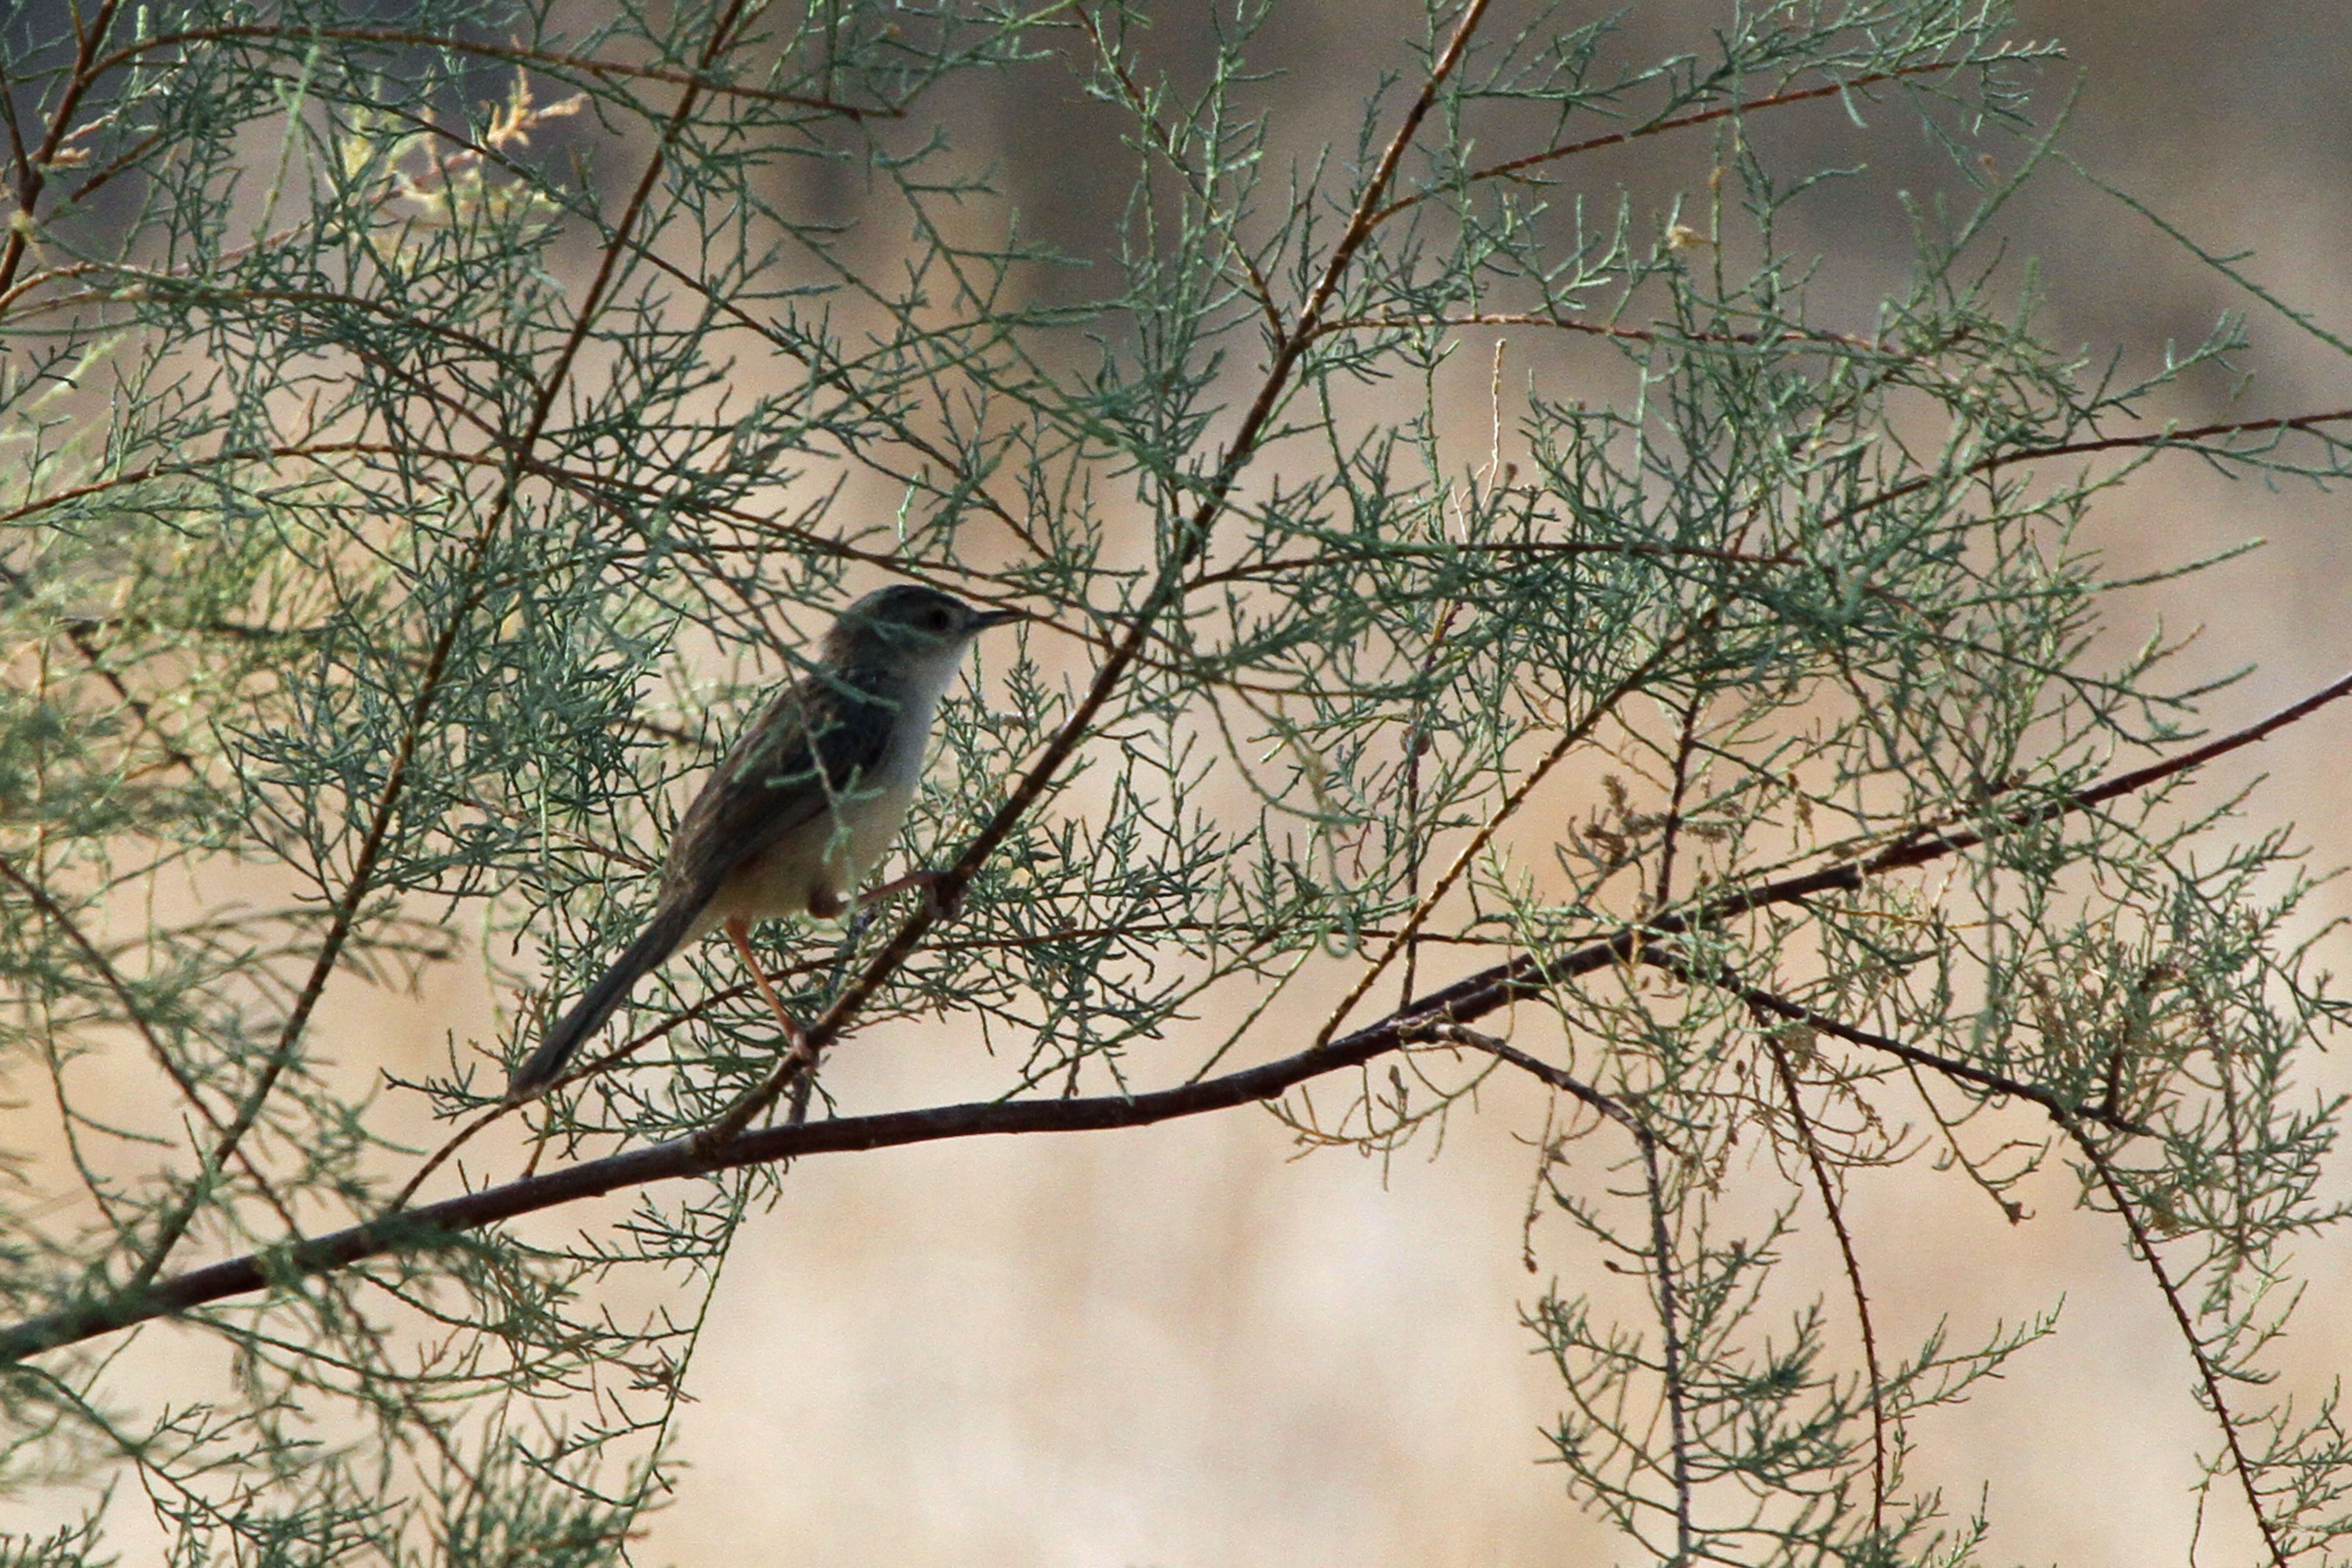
(802, 806)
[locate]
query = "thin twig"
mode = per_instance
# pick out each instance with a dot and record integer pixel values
(1846, 341)
(1672, 833)
(1813, 1148)
(363, 875)
(1669, 1317)
(1167, 587)
(1427, 904)
(1504, 1050)
(1679, 965)
(2206, 1372)
(693, 81)
(1164, 142)
(139, 1020)
(2154, 440)
(1680, 122)
(1417, 742)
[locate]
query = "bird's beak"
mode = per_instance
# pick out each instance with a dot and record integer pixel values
(987, 618)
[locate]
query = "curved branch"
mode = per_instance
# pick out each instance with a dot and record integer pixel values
(2155, 441)
(1544, 1072)
(1430, 1018)
(1921, 845)
(439, 1224)
(1779, 1006)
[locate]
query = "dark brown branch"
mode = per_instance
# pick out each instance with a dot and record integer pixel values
(1466, 1000)
(1663, 892)
(439, 1224)
(1662, 1243)
(20, 155)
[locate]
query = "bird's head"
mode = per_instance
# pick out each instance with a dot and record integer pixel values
(913, 631)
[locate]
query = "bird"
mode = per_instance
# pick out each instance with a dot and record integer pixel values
(794, 815)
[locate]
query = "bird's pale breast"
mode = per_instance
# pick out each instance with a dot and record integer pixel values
(814, 869)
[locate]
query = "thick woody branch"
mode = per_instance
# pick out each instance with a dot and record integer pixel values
(437, 1225)
(1430, 1018)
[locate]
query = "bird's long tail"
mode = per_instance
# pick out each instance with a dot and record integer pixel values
(660, 938)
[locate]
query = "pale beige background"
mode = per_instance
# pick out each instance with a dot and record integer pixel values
(1181, 1347)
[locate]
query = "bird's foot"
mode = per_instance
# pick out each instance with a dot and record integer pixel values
(942, 897)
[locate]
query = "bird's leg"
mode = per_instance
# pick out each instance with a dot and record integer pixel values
(942, 906)
(739, 931)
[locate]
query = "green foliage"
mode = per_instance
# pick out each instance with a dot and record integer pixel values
(428, 442)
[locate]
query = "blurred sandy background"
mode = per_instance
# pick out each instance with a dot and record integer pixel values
(1182, 1347)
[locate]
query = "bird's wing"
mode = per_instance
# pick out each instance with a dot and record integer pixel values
(817, 742)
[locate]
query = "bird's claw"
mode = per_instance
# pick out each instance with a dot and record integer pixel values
(942, 896)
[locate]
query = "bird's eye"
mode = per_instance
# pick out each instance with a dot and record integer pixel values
(936, 620)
